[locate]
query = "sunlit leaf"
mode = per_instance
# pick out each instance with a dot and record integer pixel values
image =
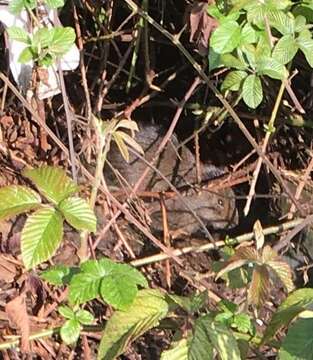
(294, 304)
(16, 199)
(62, 40)
(226, 37)
(54, 4)
(52, 182)
(208, 334)
(115, 283)
(70, 331)
(148, 308)
(259, 288)
(77, 213)
(177, 351)
(298, 344)
(19, 34)
(285, 49)
(252, 91)
(41, 236)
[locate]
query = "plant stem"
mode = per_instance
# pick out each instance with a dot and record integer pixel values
(103, 148)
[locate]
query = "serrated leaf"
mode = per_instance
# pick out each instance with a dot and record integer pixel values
(285, 49)
(66, 312)
(70, 331)
(226, 37)
(248, 34)
(259, 288)
(178, 351)
(77, 213)
(41, 236)
(18, 34)
(306, 46)
(122, 147)
(54, 4)
(42, 38)
(52, 182)
(242, 322)
(258, 234)
(298, 344)
(243, 256)
(208, 333)
(233, 80)
(282, 269)
(62, 40)
(90, 283)
(294, 304)
(281, 21)
(252, 91)
(16, 6)
(148, 308)
(272, 68)
(130, 142)
(59, 274)
(84, 317)
(16, 199)
(229, 60)
(26, 56)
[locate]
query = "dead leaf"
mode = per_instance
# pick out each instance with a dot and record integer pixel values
(17, 314)
(201, 25)
(260, 286)
(7, 269)
(258, 234)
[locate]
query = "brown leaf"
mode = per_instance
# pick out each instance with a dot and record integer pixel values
(260, 286)
(201, 25)
(17, 314)
(7, 269)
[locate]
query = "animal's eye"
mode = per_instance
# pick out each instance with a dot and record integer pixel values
(220, 202)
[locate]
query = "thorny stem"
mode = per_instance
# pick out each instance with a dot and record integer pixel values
(225, 103)
(103, 148)
(209, 246)
(160, 257)
(264, 146)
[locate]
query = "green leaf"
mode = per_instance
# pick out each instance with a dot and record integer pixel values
(52, 182)
(285, 49)
(292, 306)
(200, 344)
(66, 312)
(233, 62)
(54, 4)
(77, 213)
(282, 22)
(16, 199)
(190, 304)
(148, 308)
(18, 34)
(84, 317)
(70, 331)
(298, 344)
(177, 351)
(248, 34)
(226, 37)
(116, 283)
(242, 322)
(26, 55)
(42, 38)
(272, 68)
(306, 45)
(62, 40)
(208, 333)
(252, 91)
(233, 80)
(59, 274)
(41, 236)
(16, 6)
